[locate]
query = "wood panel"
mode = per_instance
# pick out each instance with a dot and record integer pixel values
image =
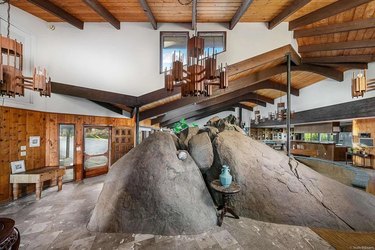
(17, 125)
(364, 126)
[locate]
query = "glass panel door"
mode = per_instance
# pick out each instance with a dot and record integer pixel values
(66, 150)
(96, 150)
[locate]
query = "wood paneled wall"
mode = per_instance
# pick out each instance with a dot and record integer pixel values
(17, 125)
(364, 126)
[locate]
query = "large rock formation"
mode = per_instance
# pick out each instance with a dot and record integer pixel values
(276, 190)
(150, 190)
(200, 148)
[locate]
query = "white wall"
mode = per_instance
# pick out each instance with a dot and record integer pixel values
(124, 61)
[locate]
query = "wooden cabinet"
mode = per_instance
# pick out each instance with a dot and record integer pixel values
(122, 142)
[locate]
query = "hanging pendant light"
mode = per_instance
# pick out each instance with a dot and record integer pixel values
(360, 84)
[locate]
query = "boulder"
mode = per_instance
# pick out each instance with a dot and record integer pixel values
(213, 121)
(200, 148)
(185, 136)
(151, 191)
(279, 190)
(176, 141)
(211, 131)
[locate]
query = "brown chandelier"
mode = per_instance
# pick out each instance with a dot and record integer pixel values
(360, 84)
(12, 81)
(201, 73)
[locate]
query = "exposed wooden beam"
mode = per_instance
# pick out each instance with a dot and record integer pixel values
(325, 12)
(150, 15)
(206, 114)
(345, 65)
(329, 72)
(93, 94)
(194, 17)
(232, 98)
(336, 28)
(103, 12)
(360, 44)
(157, 95)
(340, 59)
(123, 107)
(109, 107)
(240, 105)
(287, 12)
(59, 12)
(239, 13)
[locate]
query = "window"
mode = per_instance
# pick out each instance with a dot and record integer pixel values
(172, 42)
(66, 145)
(214, 41)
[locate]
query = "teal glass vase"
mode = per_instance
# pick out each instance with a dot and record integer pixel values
(225, 177)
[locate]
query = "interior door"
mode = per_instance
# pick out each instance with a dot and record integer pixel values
(96, 150)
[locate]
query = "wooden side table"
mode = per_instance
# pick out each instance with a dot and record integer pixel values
(9, 235)
(37, 176)
(227, 194)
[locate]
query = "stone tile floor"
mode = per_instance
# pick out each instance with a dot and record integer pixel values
(58, 221)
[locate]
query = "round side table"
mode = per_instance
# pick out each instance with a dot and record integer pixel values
(227, 194)
(9, 235)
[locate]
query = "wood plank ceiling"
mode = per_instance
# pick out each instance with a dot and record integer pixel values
(332, 36)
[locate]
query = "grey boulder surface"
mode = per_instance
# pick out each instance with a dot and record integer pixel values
(151, 191)
(185, 136)
(274, 189)
(200, 148)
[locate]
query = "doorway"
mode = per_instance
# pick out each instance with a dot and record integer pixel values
(96, 150)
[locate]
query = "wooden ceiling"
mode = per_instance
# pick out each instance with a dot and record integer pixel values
(332, 35)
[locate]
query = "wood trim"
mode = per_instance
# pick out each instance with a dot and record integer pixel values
(59, 12)
(287, 12)
(336, 28)
(103, 12)
(149, 14)
(239, 13)
(93, 94)
(337, 46)
(325, 12)
(340, 59)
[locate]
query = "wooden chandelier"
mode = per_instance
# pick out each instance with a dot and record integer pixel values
(12, 82)
(360, 84)
(201, 73)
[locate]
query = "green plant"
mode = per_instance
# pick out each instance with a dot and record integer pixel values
(181, 125)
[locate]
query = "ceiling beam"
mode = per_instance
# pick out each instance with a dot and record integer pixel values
(150, 15)
(336, 28)
(325, 12)
(345, 65)
(287, 12)
(340, 59)
(360, 44)
(239, 13)
(59, 12)
(194, 17)
(328, 72)
(103, 12)
(109, 107)
(93, 94)
(243, 106)
(209, 113)
(232, 98)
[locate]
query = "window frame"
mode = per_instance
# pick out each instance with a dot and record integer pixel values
(74, 143)
(216, 32)
(165, 33)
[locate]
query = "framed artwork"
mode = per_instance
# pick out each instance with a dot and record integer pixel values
(17, 166)
(34, 141)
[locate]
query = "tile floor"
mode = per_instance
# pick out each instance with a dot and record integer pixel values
(58, 221)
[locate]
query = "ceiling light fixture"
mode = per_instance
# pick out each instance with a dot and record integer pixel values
(360, 84)
(200, 74)
(12, 81)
